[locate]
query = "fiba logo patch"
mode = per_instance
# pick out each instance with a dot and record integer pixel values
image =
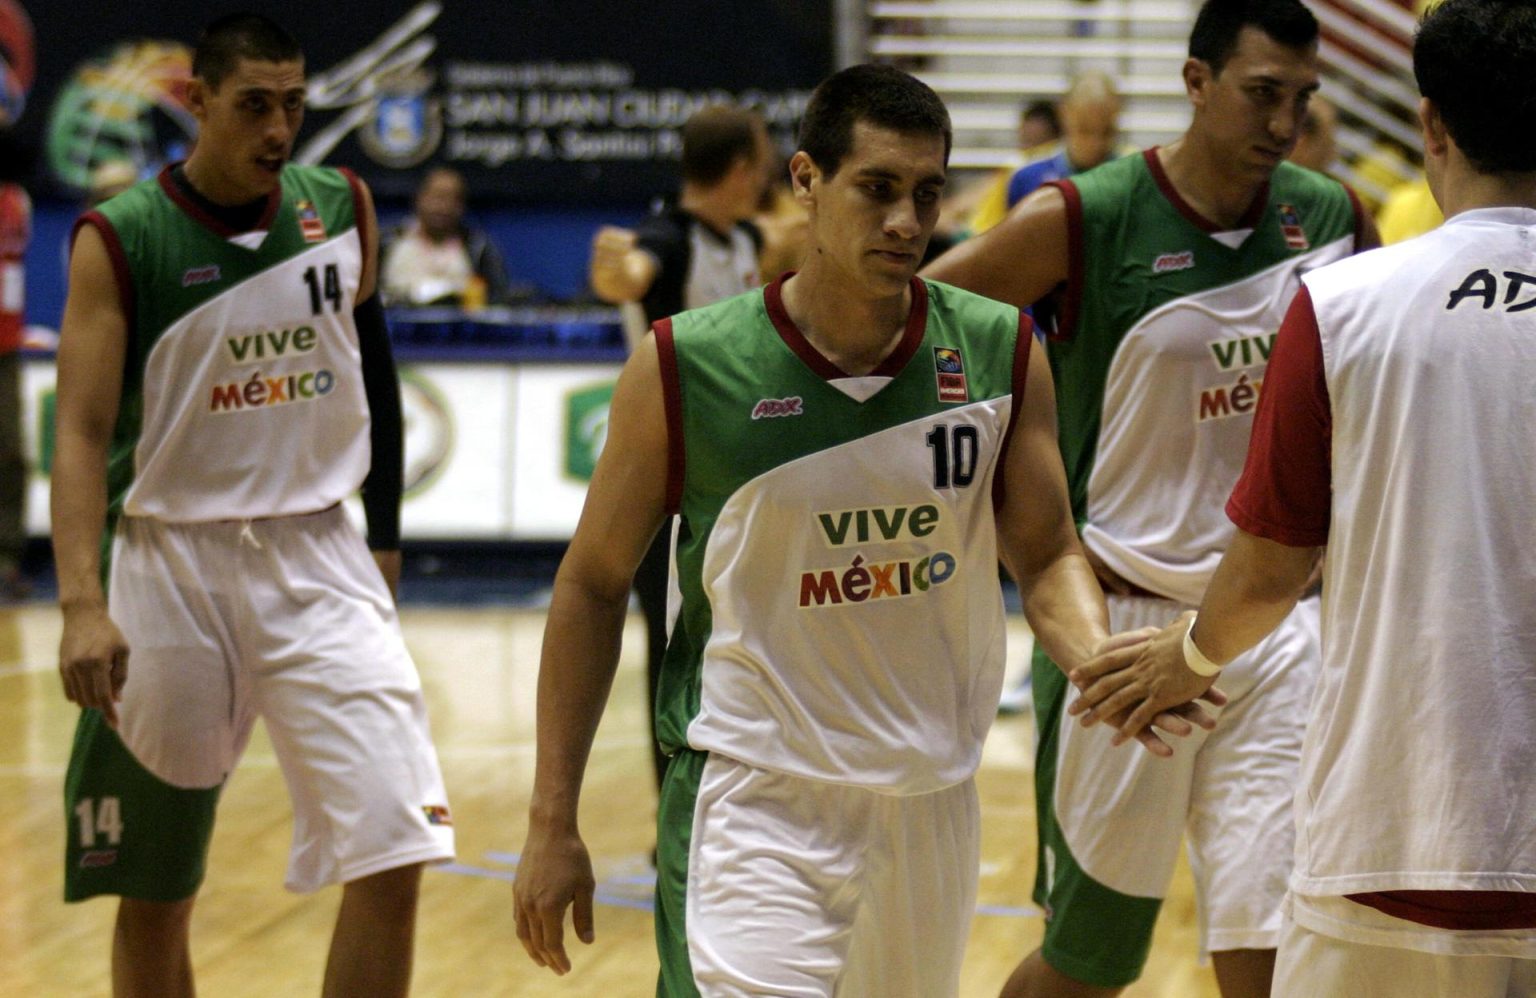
(128, 104)
(949, 370)
(406, 125)
(429, 431)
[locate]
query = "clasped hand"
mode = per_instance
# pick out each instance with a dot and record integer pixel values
(1137, 681)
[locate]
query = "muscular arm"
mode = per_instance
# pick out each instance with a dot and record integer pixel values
(1020, 260)
(93, 656)
(1038, 543)
(625, 506)
(1037, 537)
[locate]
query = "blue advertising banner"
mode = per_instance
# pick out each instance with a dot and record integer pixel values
(543, 102)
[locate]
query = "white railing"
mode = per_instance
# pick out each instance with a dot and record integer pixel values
(986, 56)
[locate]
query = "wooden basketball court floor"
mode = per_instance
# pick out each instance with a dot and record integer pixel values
(251, 938)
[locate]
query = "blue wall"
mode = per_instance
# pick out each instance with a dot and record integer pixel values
(545, 247)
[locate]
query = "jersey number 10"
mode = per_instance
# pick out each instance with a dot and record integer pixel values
(954, 455)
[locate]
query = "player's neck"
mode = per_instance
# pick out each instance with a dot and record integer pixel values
(205, 179)
(852, 330)
(1462, 188)
(1207, 181)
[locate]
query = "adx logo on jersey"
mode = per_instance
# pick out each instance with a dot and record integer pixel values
(949, 370)
(774, 408)
(1167, 263)
(206, 274)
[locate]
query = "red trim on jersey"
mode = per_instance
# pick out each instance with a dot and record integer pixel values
(1021, 348)
(359, 208)
(120, 269)
(1252, 216)
(672, 396)
(1070, 299)
(1478, 911)
(1359, 209)
(207, 221)
(1285, 492)
(360, 218)
(911, 337)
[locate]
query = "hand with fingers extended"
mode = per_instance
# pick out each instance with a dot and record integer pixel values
(1135, 686)
(1179, 720)
(93, 659)
(554, 872)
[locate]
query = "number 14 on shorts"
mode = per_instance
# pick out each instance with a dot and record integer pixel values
(99, 816)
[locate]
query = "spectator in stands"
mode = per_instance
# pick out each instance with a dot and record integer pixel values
(983, 205)
(1090, 135)
(1318, 145)
(436, 258)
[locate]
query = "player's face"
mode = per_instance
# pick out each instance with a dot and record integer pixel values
(246, 125)
(871, 220)
(1251, 112)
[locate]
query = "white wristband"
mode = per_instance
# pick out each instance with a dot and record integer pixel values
(1194, 657)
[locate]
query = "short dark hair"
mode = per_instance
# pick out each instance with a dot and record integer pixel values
(228, 39)
(714, 138)
(883, 96)
(1476, 60)
(1040, 109)
(1214, 37)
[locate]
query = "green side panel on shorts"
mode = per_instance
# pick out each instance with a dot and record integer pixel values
(162, 831)
(1092, 934)
(674, 834)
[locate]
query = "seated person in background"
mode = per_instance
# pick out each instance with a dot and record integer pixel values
(1318, 145)
(1090, 135)
(435, 258)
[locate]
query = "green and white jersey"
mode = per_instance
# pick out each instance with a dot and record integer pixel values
(1165, 330)
(841, 618)
(242, 389)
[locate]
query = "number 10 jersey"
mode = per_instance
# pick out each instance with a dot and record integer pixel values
(841, 618)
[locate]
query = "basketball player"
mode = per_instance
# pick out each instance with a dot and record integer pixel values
(1172, 269)
(224, 382)
(694, 251)
(848, 450)
(1395, 429)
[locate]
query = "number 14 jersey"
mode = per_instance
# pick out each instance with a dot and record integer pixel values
(242, 389)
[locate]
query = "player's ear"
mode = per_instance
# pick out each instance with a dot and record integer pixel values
(803, 173)
(198, 93)
(1197, 77)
